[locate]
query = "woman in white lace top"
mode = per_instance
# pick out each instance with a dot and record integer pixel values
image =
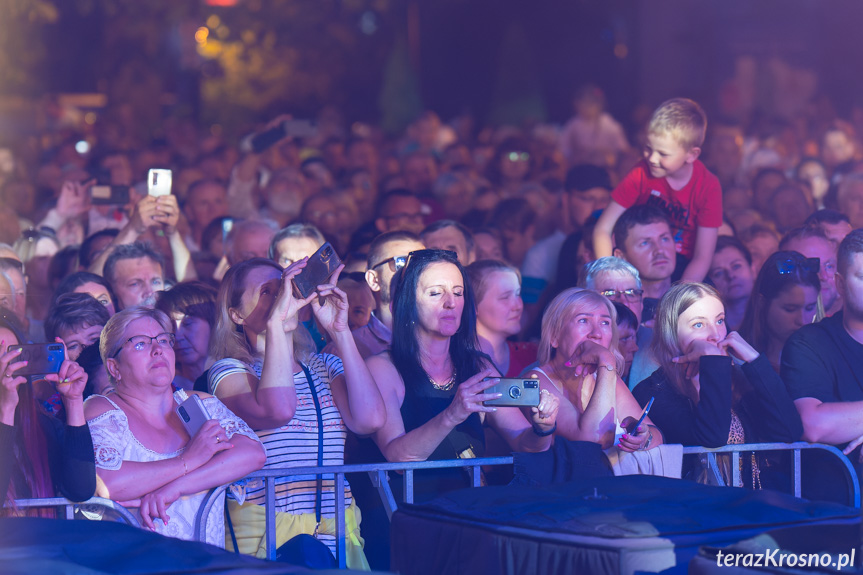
(144, 456)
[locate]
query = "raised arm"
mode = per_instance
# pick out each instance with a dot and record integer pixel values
(354, 391)
(271, 401)
(602, 241)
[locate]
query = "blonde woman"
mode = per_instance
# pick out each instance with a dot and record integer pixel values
(701, 396)
(579, 363)
(300, 403)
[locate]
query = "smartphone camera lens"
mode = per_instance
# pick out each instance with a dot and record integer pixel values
(328, 252)
(515, 392)
(184, 414)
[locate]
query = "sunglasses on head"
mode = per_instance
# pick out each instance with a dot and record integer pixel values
(806, 265)
(431, 254)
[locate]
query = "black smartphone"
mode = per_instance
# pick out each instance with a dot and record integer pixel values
(515, 392)
(320, 267)
(109, 195)
(264, 140)
(41, 358)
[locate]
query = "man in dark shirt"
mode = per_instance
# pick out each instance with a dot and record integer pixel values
(822, 363)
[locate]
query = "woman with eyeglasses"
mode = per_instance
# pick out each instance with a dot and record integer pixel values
(435, 377)
(784, 299)
(497, 286)
(712, 388)
(301, 403)
(145, 458)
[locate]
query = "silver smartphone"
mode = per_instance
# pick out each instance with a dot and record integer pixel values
(159, 182)
(193, 413)
(515, 392)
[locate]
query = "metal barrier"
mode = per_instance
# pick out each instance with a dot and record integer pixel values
(124, 513)
(796, 448)
(378, 474)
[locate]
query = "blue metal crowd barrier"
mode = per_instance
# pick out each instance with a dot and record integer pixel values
(378, 473)
(69, 506)
(795, 448)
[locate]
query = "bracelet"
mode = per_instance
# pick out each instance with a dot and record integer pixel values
(646, 445)
(185, 469)
(608, 367)
(545, 433)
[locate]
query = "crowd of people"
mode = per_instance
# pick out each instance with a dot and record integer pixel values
(720, 277)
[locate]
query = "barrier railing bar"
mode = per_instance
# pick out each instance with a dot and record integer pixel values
(409, 486)
(854, 489)
(341, 531)
(796, 479)
(735, 468)
(380, 480)
(124, 513)
(270, 488)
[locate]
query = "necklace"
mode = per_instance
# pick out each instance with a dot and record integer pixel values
(445, 386)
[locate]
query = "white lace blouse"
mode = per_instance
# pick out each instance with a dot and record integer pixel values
(114, 443)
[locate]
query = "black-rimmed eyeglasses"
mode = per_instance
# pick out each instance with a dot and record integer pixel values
(145, 342)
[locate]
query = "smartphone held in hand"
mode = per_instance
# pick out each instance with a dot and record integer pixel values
(515, 392)
(321, 266)
(41, 358)
(159, 182)
(193, 413)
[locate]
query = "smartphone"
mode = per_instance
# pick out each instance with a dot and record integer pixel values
(109, 195)
(227, 226)
(643, 415)
(515, 392)
(159, 182)
(321, 265)
(193, 413)
(41, 358)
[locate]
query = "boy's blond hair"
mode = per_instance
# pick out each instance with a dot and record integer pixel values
(683, 119)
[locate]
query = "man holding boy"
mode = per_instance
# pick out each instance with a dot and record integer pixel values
(642, 236)
(672, 178)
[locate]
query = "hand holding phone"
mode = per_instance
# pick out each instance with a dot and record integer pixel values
(643, 416)
(159, 182)
(193, 414)
(515, 392)
(42, 358)
(320, 267)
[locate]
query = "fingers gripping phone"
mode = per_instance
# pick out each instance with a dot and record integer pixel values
(321, 265)
(193, 413)
(643, 416)
(515, 392)
(159, 182)
(41, 358)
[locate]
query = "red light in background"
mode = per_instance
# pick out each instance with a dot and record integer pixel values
(221, 2)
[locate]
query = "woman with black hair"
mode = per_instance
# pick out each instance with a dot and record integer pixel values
(784, 299)
(40, 456)
(433, 380)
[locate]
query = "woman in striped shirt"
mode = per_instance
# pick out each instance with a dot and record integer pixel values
(300, 403)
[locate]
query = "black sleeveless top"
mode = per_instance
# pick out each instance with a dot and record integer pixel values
(422, 403)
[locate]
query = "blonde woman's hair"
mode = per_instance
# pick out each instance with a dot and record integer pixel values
(665, 344)
(561, 311)
(227, 338)
(683, 119)
(114, 333)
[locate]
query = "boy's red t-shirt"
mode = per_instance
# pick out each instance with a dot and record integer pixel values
(698, 203)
